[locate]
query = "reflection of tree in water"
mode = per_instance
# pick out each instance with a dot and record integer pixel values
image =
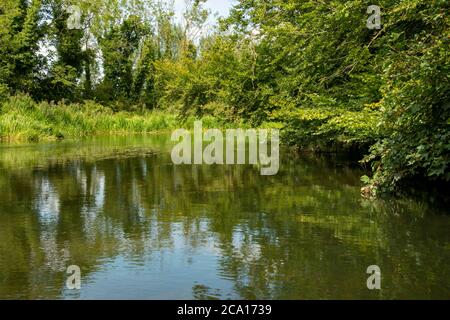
(202, 292)
(305, 233)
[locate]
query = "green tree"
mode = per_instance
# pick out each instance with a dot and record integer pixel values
(19, 44)
(67, 69)
(121, 55)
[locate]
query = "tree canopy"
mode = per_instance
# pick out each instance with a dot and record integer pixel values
(312, 68)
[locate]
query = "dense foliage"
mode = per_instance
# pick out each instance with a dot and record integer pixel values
(311, 68)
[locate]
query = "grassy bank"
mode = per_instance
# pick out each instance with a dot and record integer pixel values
(22, 119)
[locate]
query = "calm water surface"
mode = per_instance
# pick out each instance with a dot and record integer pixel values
(140, 227)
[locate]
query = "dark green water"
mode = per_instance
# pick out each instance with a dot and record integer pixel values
(140, 227)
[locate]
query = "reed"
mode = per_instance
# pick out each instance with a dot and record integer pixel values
(22, 119)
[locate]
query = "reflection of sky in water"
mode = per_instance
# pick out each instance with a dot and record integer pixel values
(97, 191)
(48, 207)
(47, 203)
(91, 208)
(177, 271)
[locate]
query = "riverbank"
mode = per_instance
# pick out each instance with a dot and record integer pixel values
(313, 130)
(24, 120)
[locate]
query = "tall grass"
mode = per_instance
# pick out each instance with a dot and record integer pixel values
(22, 119)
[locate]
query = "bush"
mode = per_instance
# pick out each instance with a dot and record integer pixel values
(328, 128)
(416, 101)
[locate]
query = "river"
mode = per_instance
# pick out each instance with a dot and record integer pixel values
(140, 227)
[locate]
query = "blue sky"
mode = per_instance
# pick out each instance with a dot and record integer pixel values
(220, 6)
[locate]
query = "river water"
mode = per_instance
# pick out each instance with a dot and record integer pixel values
(140, 227)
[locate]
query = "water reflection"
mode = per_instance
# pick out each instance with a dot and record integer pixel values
(140, 227)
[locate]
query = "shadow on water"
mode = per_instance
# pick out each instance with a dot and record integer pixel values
(140, 227)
